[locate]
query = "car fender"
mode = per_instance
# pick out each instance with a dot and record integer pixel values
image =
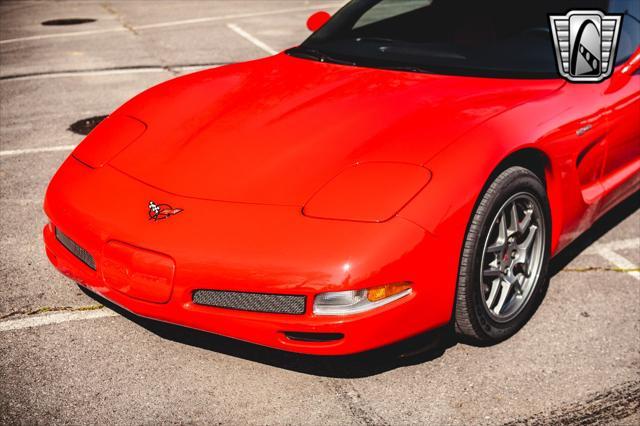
(461, 172)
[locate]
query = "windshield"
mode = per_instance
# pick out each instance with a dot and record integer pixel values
(460, 37)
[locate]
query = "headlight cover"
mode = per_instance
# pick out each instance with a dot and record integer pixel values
(108, 139)
(356, 301)
(368, 192)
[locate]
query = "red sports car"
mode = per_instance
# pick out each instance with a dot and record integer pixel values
(412, 164)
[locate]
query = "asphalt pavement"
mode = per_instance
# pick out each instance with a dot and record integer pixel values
(65, 358)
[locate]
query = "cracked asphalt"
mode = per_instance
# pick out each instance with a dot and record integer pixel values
(576, 362)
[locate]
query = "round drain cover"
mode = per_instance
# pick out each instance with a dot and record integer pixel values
(68, 21)
(86, 125)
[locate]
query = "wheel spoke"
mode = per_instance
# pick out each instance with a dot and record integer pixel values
(517, 283)
(513, 226)
(491, 273)
(529, 239)
(496, 247)
(522, 259)
(495, 286)
(506, 289)
(525, 222)
(501, 240)
(502, 228)
(515, 280)
(527, 268)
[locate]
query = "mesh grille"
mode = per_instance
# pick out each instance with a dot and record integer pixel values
(76, 250)
(255, 302)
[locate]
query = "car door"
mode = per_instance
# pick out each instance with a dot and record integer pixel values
(621, 173)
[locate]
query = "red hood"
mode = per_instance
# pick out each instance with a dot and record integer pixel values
(273, 131)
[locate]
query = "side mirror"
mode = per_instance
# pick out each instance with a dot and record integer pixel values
(317, 20)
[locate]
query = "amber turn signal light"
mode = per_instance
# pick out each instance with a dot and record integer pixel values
(355, 301)
(382, 292)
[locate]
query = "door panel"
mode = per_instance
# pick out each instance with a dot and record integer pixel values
(624, 133)
(621, 171)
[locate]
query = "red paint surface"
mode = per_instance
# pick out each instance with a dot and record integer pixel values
(389, 164)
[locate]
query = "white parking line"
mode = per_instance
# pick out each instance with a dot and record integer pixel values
(631, 243)
(57, 35)
(619, 261)
(36, 150)
(86, 73)
(608, 251)
(236, 16)
(172, 23)
(56, 318)
(242, 33)
(125, 71)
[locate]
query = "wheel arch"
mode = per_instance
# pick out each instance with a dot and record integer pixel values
(538, 162)
(460, 175)
(532, 159)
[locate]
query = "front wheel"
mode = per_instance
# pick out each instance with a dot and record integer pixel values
(504, 263)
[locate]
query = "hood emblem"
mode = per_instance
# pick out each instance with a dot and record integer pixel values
(161, 211)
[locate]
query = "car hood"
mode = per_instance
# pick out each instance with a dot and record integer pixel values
(273, 131)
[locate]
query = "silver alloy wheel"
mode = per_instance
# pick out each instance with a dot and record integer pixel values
(512, 257)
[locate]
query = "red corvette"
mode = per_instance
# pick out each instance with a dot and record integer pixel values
(412, 164)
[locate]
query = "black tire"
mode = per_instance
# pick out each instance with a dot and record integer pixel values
(472, 322)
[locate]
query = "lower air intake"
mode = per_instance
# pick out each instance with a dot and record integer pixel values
(76, 250)
(254, 302)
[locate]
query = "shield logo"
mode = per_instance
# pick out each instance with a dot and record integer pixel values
(585, 42)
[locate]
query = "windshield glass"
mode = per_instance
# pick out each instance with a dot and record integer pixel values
(460, 37)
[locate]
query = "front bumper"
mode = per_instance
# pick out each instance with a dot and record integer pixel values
(248, 248)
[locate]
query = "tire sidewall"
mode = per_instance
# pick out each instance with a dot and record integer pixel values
(523, 182)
